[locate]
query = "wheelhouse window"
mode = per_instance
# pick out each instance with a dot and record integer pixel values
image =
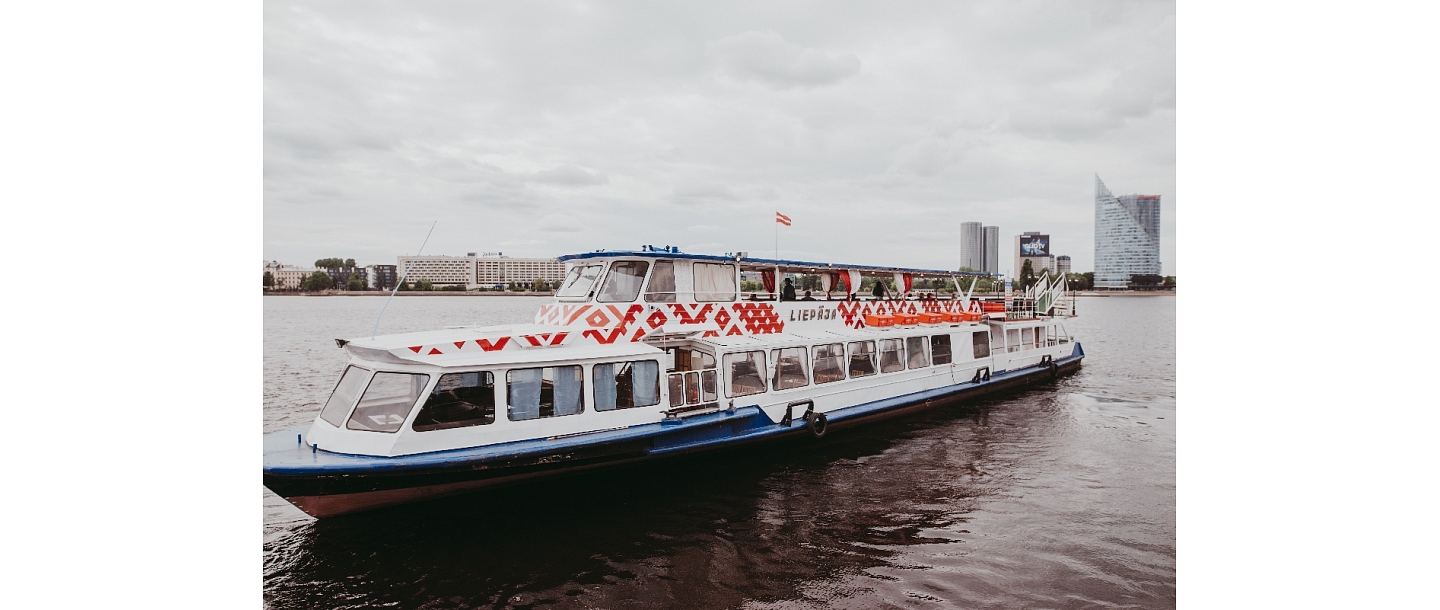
(692, 376)
(789, 368)
(622, 285)
(387, 401)
(550, 391)
(623, 385)
(458, 400)
(714, 282)
(940, 349)
(919, 356)
(662, 283)
(745, 373)
(829, 363)
(578, 282)
(346, 391)
(981, 340)
(892, 355)
(862, 359)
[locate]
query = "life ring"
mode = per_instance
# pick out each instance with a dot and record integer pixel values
(815, 423)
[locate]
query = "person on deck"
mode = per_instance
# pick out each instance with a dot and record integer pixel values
(879, 290)
(788, 293)
(807, 296)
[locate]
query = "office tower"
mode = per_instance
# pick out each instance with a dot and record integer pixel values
(972, 246)
(1127, 237)
(1062, 264)
(991, 257)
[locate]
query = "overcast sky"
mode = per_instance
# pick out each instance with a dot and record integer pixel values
(541, 129)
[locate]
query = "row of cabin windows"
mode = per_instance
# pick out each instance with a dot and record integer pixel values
(1019, 339)
(468, 399)
(711, 282)
(830, 363)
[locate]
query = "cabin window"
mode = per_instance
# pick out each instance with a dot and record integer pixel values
(623, 385)
(714, 282)
(550, 391)
(1060, 334)
(387, 401)
(829, 363)
(940, 349)
(346, 391)
(622, 284)
(919, 358)
(458, 400)
(789, 368)
(1050, 335)
(744, 370)
(662, 283)
(578, 282)
(1027, 338)
(862, 359)
(892, 355)
(1012, 340)
(981, 340)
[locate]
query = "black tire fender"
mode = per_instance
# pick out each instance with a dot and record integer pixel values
(815, 423)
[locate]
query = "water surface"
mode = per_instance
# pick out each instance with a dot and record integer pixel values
(1060, 496)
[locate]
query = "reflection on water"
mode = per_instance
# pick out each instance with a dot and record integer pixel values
(1060, 496)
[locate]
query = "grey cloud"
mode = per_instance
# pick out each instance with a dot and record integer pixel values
(557, 223)
(702, 193)
(767, 58)
(568, 175)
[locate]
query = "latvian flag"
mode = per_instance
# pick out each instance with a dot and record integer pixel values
(782, 219)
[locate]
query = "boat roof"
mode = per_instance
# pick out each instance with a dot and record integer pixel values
(747, 261)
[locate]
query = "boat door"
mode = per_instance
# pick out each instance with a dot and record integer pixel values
(691, 379)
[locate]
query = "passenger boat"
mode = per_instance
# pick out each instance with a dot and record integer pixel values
(653, 353)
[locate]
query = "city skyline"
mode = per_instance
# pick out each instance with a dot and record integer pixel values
(547, 129)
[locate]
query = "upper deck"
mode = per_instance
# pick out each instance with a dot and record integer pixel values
(611, 297)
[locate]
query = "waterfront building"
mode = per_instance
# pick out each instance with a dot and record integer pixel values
(496, 268)
(1127, 237)
(287, 277)
(972, 246)
(341, 275)
(439, 269)
(381, 277)
(474, 270)
(992, 250)
(980, 247)
(1062, 264)
(1034, 247)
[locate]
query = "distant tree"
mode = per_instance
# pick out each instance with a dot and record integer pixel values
(269, 280)
(1077, 281)
(355, 282)
(330, 263)
(424, 285)
(1027, 276)
(318, 281)
(453, 288)
(1169, 282)
(751, 286)
(968, 269)
(350, 262)
(1089, 280)
(539, 285)
(404, 286)
(809, 282)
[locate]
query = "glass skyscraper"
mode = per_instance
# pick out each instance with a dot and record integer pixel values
(1127, 237)
(980, 247)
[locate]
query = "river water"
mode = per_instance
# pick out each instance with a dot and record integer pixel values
(1060, 496)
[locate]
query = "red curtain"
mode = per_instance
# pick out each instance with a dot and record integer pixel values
(907, 282)
(769, 278)
(839, 280)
